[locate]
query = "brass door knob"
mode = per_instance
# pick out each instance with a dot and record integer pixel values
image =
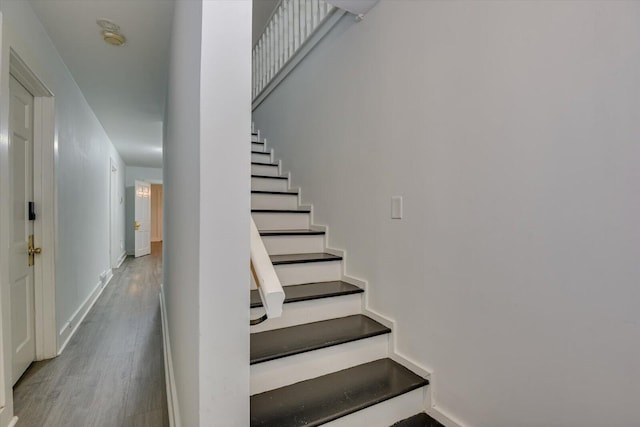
(136, 226)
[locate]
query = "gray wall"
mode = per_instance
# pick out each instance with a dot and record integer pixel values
(207, 210)
(511, 130)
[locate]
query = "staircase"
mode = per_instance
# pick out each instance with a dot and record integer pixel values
(323, 361)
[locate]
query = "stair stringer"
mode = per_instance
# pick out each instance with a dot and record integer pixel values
(430, 405)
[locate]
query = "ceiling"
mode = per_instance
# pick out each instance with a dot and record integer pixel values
(125, 86)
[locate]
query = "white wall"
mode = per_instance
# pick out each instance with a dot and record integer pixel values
(207, 210)
(510, 128)
(133, 174)
(82, 169)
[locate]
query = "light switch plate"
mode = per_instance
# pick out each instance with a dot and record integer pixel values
(396, 207)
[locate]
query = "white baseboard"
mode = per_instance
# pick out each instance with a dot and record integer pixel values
(121, 259)
(108, 278)
(172, 398)
(70, 328)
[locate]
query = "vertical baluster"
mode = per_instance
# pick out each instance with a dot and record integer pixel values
(282, 35)
(260, 64)
(295, 19)
(285, 30)
(270, 50)
(265, 47)
(264, 60)
(314, 14)
(303, 21)
(275, 42)
(292, 27)
(253, 73)
(308, 19)
(278, 24)
(321, 11)
(268, 53)
(261, 82)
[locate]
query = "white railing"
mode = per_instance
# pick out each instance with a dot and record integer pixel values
(264, 276)
(292, 30)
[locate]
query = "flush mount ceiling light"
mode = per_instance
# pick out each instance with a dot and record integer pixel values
(114, 39)
(111, 32)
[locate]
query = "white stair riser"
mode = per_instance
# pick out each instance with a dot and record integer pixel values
(308, 272)
(274, 201)
(257, 147)
(281, 220)
(269, 184)
(261, 157)
(298, 313)
(279, 245)
(385, 413)
(265, 170)
(288, 370)
(255, 138)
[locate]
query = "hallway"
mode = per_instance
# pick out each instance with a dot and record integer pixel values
(112, 371)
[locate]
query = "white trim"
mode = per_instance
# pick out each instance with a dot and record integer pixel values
(44, 154)
(331, 20)
(121, 259)
(170, 382)
(25, 76)
(13, 422)
(71, 326)
(113, 169)
(108, 277)
(45, 227)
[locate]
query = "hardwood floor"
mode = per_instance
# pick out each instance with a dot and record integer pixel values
(112, 371)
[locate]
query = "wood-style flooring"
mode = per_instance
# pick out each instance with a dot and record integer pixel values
(112, 371)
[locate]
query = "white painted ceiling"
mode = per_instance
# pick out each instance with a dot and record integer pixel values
(125, 86)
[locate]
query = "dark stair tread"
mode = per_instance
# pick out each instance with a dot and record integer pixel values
(278, 343)
(288, 192)
(311, 291)
(299, 210)
(418, 420)
(299, 232)
(260, 152)
(264, 164)
(254, 133)
(302, 258)
(320, 400)
(269, 176)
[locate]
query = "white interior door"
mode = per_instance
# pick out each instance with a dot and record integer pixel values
(142, 217)
(20, 272)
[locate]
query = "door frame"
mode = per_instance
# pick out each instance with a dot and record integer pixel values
(113, 204)
(44, 192)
